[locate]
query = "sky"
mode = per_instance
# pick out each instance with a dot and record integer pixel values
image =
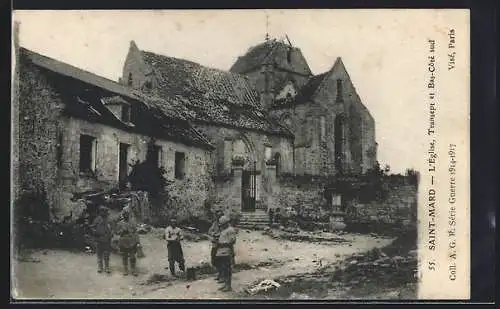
(384, 51)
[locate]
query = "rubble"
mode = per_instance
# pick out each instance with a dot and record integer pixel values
(264, 286)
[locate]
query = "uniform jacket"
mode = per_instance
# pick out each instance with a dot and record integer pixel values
(128, 234)
(102, 229)
(226, 242)
(173, 234)
(214, 232)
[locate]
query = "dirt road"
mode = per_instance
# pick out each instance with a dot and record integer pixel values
(61, 274)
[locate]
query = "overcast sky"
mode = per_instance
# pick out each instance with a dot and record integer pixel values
(385, 53)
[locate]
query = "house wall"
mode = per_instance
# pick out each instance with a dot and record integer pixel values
(190, 193)
(49, 153)
(39, 130)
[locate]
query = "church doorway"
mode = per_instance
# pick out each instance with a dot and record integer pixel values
(248, 191)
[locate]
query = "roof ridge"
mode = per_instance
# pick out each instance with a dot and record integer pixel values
(29, 51)
(197, 64)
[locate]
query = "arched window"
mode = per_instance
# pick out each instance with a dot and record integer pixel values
(339, 142)
(356, 138)
(322, 130)
(277, 159)
(130, 80)
(340, 92)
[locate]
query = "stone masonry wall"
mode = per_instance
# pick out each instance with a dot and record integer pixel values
(189, 193)
(39, 132)
(226, 179)
(397, 210)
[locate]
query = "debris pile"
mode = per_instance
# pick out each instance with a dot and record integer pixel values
(301, 236)
(264, 287)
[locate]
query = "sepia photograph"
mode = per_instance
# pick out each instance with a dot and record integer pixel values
(240, 155)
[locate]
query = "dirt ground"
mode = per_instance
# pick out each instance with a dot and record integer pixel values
(57, 274)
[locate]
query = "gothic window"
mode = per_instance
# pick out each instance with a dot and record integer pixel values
(130, 80)
(277, 159)
(340, 94)
(322, 128)
(339, 142)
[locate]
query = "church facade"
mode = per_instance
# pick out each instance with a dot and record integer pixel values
(267, 116)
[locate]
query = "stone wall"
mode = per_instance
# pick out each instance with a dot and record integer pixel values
(227, 179)
(189, 193)
(360, 131)
(39, 133)
(313, 124)
(397, 207)
(397, 210)
(300, 196)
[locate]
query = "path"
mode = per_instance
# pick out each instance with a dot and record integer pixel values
(61, 274)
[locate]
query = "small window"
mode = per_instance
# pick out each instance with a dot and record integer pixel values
(126, 113)
(87, 153)
(130, 80)
(180, 162)
(340, 94)
(123, 162)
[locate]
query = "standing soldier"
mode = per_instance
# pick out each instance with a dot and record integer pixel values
(225, 255)
(214, 233)
(101, 229)
(173, 236)
(128, 243)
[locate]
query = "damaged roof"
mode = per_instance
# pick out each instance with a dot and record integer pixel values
(304, 94)
(269, 52)
(209, 95)
(87, 95)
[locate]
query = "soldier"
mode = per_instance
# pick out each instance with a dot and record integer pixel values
(128, 243)
(214, 233)
(101, 229)
(173, 236)
(225, 254)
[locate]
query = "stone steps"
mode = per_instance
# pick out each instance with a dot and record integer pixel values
(254, 220)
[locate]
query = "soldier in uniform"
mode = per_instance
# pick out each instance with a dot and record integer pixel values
(225, 254)
(101, 229)
(214, 233)
(128, 242)
(173, 236)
